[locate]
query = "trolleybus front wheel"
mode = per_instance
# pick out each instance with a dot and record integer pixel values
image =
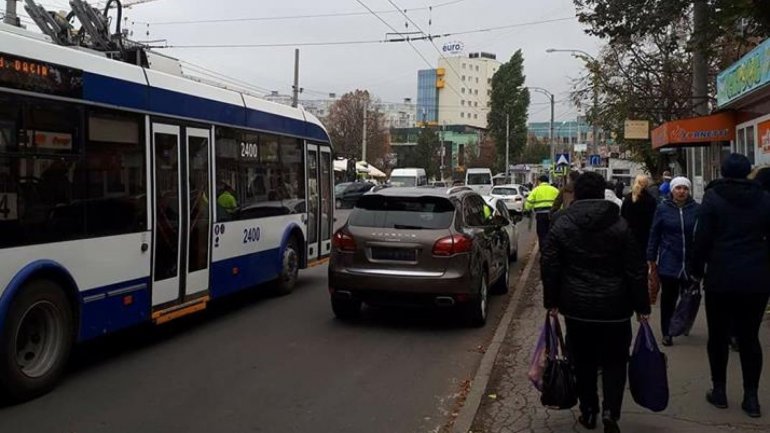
(36, 341)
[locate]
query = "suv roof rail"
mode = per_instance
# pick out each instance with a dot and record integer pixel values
(459, 188)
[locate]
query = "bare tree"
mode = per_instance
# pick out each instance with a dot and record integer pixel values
(345, 124)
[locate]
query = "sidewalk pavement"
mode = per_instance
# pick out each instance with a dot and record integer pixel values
(511, 404)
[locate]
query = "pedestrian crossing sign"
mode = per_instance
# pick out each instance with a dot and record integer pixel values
(562, 159)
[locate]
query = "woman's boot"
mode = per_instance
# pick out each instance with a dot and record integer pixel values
(717, 396)
(750, 403)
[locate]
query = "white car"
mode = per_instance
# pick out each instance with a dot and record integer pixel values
(512, 195)
(513, 232)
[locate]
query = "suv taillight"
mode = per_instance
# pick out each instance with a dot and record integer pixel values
(452, 245)
(343, 241)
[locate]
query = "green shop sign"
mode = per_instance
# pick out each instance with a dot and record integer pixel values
(750, 72)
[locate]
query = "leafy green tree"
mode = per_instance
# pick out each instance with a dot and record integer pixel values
(510, 99)
(625, 20)
(426, 152)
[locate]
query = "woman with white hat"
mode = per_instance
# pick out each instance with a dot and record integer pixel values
(670, 248)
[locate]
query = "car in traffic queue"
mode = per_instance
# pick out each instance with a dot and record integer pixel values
(346, 194)
(500, 209)
(419, 246)
(512, 195)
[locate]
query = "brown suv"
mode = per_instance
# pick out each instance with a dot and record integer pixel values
(419, 245)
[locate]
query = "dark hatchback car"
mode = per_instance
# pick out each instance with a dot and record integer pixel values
(346, 194)
(423, 245)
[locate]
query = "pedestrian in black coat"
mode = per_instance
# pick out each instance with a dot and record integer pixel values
(638, 209)
(593, 274)
(732, 254)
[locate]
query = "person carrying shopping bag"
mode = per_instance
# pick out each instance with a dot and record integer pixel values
(669, 249)
(732, 243)
(594, 276)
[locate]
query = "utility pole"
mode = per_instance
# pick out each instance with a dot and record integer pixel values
(443, 151)
(295, 91)
(553, 143)
(363, 142)
(596, 111)
(507, 146)
(700, 72)
(10, 13)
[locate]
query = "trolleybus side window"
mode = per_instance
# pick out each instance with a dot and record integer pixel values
(116, 174)
(57, 183)
(258, 175)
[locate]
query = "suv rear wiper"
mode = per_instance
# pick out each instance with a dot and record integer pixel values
(407, 227)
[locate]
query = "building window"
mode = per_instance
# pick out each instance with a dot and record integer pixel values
(477, 68)
(475, 116)
(476, 91)
(489, 81)
(462, 90)
(463, 77)
(463, 65)
(462, 114)
(462, 102)
(476, 104)
(477, 79)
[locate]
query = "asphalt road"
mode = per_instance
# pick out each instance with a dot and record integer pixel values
(256, 363)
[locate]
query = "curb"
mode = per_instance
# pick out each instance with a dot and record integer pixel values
(467, 414)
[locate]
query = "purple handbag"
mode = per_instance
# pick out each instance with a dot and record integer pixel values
(647, 375)
(686, 311)
(537, 365)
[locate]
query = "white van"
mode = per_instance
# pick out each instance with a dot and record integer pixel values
(479, 179)
(408, 177)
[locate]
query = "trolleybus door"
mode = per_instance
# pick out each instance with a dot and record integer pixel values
(313, 201)
(182, 212)
(325, 181)
(198, 211)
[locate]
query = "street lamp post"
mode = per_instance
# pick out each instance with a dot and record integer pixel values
(550, 97)
(581, 53)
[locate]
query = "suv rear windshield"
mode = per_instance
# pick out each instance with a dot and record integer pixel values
(411, 213)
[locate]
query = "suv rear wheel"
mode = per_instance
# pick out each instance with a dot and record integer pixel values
(476, 312)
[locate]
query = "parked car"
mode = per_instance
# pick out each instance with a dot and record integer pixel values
(439, 184)
(346, 194)
(426, 246)
(501, 209)
(512, 195)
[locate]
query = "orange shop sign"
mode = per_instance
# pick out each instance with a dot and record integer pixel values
(705, 129)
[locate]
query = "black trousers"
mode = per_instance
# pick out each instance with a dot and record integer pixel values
(742, 314)
(543, 220)
(600, 344)
(670, 289)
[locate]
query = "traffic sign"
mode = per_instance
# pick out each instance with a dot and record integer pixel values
(562, 159)
(595, 160)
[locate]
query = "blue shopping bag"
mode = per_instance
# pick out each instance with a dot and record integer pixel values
(686, 311)
(647, 375)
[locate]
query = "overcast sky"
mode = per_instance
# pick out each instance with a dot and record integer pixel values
(389, 71)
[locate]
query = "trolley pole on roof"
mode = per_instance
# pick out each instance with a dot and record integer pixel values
(295, 91)
(10, 13)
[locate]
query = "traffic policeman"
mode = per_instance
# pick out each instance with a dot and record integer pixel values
(540, 201)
